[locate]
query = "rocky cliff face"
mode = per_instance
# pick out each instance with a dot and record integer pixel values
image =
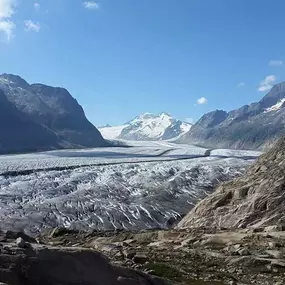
(56, 120)
(19, 132)
(250, 127)
(65, 116)
(255, 200)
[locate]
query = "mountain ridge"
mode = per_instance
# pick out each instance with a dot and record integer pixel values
(51, 109)
(253, 126)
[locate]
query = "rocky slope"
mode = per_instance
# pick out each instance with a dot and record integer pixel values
(56, 120)
(254, 200)
(249, 127)
(147, 127)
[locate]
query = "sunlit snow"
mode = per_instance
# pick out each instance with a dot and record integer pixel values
(111, 133)
(275, 107)
(146, 126)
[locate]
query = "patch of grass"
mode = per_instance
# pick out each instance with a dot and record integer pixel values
(164, 271)
(59, 232)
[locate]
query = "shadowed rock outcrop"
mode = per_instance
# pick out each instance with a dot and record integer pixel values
(20, 133)
(48, 265)
(39, 117)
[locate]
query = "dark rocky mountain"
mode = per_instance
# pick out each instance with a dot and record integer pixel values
(253, 126)
(38, 117)
(255, 200)
(17, 129)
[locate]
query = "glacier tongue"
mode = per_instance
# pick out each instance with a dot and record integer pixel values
(129, 194)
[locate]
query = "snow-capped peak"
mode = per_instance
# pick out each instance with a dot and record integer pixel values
(148, 127)
(164, 114)
(275, 107)
(145, 116)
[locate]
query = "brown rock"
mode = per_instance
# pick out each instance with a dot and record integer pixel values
(255, 200)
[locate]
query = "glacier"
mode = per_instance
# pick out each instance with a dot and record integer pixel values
(146, 185)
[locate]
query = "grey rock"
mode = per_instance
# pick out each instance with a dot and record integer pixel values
(110, 249)
(243, 252)
(275, 253)
(278, 263)
(275, 228)
(140, 258)
(272, 244)
(128, 281)
(21, 243)
(129, 254)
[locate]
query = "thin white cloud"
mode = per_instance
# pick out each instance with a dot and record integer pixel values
(37, 6)
(7, 27)
(91, 5)
(241, 84)
(31, 26)
(275, 63)
(7, 9)
(267, 83)
(202, 101)
(189, 120)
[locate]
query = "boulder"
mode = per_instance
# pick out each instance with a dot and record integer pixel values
(52, 266)
(21, 243)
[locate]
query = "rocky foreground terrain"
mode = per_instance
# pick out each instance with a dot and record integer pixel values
(22, 261)
(179, 257)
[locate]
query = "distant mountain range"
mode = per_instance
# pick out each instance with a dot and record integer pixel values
(40, 117)
(253, 126)
(147, 127)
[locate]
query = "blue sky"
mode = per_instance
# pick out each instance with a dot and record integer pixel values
(120, 58)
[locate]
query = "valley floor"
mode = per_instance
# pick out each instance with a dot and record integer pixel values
(148, 185)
